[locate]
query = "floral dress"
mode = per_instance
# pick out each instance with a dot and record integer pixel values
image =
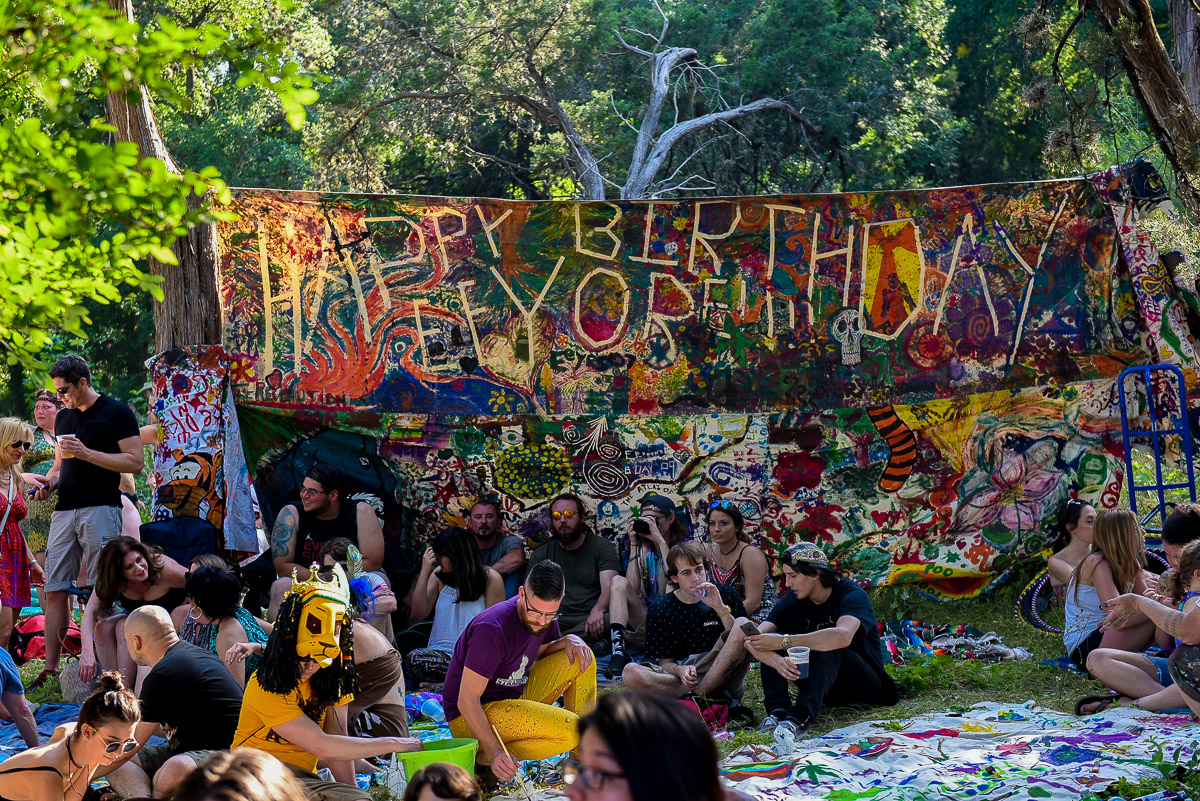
(14, 558)
(39, 460)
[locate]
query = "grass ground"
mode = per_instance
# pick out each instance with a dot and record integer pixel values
(927, 684)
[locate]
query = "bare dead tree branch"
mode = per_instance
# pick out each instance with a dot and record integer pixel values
(638, 182)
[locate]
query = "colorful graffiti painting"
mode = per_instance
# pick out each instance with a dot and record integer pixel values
(199, 469)
(915, 379)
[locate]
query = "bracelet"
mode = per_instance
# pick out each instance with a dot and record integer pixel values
(724, 611)
(787, 641)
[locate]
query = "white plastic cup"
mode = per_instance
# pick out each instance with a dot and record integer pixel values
(798, 655)
(66, 455)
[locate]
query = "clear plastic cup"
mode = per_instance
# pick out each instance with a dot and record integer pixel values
(798, 655)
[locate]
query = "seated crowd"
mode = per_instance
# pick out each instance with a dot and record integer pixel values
(1116, 608)
(309, 696)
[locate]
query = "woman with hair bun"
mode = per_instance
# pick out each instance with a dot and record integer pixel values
(79, 752)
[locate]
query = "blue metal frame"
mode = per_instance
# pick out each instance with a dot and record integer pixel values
(1155, 434)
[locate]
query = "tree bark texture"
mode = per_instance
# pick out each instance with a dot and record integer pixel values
(1185, 36)
(1159, 89)
(190, 312)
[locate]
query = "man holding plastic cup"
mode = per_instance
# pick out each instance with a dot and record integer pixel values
(832, 617)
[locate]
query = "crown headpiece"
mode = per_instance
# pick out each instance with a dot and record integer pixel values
(337, 589)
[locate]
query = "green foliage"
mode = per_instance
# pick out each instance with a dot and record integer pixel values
(78, 215)
(872, 74)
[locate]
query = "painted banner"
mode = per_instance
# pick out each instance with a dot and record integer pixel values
(199, 469)
(916, 380)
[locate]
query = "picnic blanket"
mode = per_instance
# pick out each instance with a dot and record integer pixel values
(993, 751)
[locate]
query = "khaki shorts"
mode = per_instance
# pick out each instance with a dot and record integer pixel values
(317, 789)
(153, 757)
(735, 682)
(74, 534)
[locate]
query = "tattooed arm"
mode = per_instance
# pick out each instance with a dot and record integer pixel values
(284, 545)
(1184, 625)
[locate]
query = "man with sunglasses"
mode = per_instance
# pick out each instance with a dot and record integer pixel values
(98, 440)
(589, 564)
(509, 667)
(833, 617)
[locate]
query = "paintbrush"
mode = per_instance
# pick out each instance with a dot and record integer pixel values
(504, 747)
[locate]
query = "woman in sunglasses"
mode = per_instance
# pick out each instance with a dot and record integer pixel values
(738, 563)
(79, 752)
(18, 569)
(616, 765)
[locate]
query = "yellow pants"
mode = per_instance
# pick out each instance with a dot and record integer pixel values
(531, 726)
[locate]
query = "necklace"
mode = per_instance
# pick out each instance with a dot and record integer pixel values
(724, 552)
(70, 773)
(724, 575)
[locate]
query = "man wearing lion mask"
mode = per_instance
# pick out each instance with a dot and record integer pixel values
(294, 705)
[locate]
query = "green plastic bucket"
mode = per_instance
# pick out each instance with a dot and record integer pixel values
(458, 751)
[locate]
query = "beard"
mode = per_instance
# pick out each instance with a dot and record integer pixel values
(569, 536)
(530, 628)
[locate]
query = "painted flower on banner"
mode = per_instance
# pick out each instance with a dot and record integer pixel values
(533, 471)
(1020, 489)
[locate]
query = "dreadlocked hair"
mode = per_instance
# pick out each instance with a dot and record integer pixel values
(279, 670)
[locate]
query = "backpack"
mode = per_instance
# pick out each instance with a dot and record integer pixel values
(28, 640)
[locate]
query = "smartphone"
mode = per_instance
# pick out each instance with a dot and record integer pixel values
(749, 628)
(641, 527)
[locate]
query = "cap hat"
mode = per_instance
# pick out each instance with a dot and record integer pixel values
(660, 502)
(808, 553)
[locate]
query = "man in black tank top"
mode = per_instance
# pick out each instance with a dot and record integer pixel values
(322, 514)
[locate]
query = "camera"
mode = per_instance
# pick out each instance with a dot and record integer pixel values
(641, 527)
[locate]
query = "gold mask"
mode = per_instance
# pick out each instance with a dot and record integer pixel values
(323, 613)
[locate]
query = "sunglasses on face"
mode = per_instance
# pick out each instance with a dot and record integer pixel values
(566, 514)
(23, 445)
(60, 391)
(118, 745)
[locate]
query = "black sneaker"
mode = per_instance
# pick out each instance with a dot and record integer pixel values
(616, 665)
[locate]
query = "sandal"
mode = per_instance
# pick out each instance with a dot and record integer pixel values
(1102, 703)
(41, 679)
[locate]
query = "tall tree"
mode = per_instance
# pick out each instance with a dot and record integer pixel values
(593, 98)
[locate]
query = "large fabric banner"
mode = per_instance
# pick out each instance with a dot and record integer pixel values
(916, 380)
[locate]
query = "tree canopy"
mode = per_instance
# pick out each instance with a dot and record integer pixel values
(540, 99)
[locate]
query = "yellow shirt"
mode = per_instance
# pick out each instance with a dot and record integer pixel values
(262, 710)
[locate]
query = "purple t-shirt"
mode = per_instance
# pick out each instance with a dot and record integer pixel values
(496, 645)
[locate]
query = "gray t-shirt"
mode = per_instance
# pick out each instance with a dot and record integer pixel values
(504, 545)
(581, 569)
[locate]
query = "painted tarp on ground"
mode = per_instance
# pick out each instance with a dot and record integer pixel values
(992, 751)
(914, 379)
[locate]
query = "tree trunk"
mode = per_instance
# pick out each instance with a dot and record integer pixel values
(1185, 36)
(1159, 90)
(190, 312)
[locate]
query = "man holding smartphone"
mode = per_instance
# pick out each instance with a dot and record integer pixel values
(694, 636)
